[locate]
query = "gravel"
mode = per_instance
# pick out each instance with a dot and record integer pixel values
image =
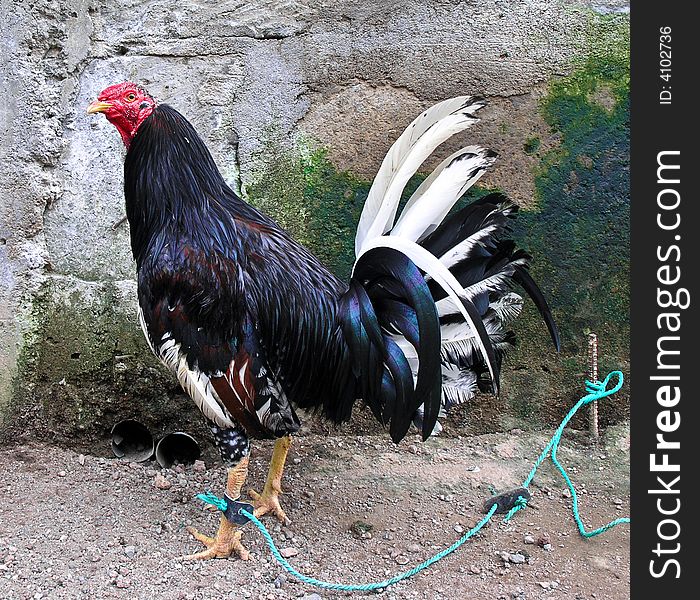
(96, 527)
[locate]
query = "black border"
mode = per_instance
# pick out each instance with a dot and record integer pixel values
(657, 127)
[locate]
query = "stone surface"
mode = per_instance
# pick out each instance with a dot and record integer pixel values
(266, 83)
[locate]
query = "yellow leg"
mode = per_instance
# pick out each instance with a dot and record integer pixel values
(268, 501)
(228, 538)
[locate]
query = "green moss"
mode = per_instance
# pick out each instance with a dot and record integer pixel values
(532, 145)
(580, 231)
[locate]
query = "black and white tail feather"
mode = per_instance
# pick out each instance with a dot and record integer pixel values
(464, 258)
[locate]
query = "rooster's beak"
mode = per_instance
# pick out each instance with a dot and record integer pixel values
(98, 107)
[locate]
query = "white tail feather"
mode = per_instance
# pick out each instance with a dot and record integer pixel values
(410, 150)
(458, 385)
(434, 199)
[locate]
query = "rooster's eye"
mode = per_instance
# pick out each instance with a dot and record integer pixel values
(131, 97)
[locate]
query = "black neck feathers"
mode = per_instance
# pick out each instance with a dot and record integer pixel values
(172, 184)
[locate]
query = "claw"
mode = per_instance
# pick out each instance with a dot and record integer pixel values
(268, 502)
(226, 543)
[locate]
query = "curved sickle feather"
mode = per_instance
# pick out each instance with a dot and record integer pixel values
(441, 275)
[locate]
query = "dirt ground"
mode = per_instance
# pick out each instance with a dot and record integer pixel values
(362, 509)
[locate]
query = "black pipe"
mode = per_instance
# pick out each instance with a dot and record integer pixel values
(132, 441)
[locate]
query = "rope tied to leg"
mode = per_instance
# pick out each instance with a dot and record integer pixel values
(516, 500)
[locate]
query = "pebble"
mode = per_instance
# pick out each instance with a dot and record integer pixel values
(130, 551)
(289, 552)
(414, 548)
(566, 493)
(161, 482)
(517, 558)
(528, 539)
(547, 547)
(474, 569)
(297, 461)
(402, 559)
(280, 580)
(311, 597)
(459, 529)
(62, 473)
(81, 459)
(199, 466)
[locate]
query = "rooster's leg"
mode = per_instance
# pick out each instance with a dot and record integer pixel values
(268, 501)
(228, 538)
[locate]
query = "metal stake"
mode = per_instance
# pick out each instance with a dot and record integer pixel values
(593, 377)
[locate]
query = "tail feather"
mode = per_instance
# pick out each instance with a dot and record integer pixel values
(430, 203)
(406, 155)
(427, 311)
(420, 324)
(522, 277)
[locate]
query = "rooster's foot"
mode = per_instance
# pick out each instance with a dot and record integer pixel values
(268, 502)
(226, 543)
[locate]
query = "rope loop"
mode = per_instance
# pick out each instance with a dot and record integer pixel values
(214, 500)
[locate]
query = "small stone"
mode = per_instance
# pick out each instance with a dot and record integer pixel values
(309, 494)
(62, 473)
(528, 539)
(359, 529)
(199, 466)
(289, 552)
(311, 597)
(122, 582)
(297, 460)
(545, 585)
(458, 528)
(280, 580)
(130, 551)
(161, 482)
(402, 559)
(414, 548)
(547, 547)
(566, 493)
(517, 558)
(543, 539)
(617, 502)
(474, 569)
(81, 459)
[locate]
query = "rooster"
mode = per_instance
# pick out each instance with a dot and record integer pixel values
(254, 327)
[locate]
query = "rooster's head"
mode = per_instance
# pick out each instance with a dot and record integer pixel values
(126, 105)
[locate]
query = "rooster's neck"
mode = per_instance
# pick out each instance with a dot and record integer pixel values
(173, 188)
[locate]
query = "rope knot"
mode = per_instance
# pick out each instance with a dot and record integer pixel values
(594, 387)
(520, 503)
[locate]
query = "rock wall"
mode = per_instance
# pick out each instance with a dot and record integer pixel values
(298, 101)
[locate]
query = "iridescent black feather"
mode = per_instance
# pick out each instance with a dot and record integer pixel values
(224, 281)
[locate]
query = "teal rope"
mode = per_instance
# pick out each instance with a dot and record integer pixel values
(596, 391)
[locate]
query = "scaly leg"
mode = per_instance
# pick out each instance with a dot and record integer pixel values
(268, 501)
(228, 539)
